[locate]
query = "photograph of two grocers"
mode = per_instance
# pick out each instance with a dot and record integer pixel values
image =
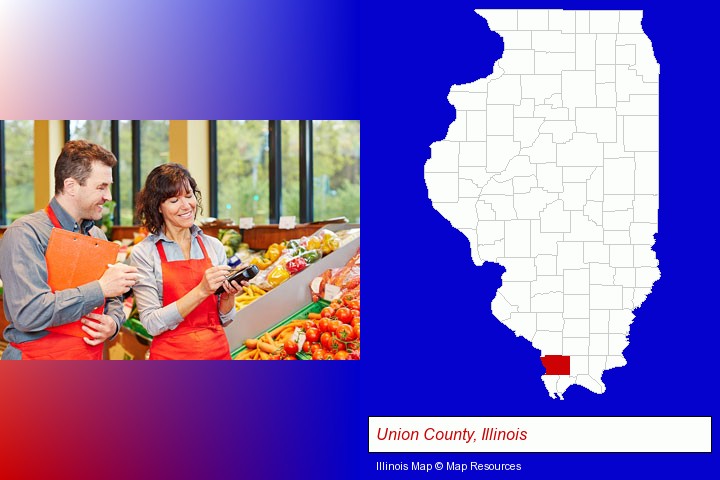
(180, 239)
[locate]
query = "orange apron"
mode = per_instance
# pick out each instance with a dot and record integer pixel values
(200, 336)
(66, 341)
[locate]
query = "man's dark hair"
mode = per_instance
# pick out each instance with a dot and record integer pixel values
(76, 159)
(163, 182)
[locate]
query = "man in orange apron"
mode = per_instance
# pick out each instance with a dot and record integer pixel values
(48, 321)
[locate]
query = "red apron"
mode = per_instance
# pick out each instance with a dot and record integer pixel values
(200, 336)
(64, 342)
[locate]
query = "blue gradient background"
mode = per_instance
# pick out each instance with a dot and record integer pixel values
(430, 345)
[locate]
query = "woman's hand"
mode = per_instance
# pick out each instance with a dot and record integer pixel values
(232, 289)
(214, 277)
(227, 299)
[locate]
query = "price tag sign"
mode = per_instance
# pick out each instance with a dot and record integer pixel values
(287, 223)
(331, 291)
(246, 223)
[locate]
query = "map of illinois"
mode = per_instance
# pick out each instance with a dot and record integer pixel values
(551, 170)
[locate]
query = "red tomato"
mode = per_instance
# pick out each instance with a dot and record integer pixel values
(355, 321)
(318, 355)
(325, 340)
(291, 348)
(328, 356)
(356, 313)
(323, 324)
(344, 332)
(308, 324)
(314, 347)
(341, 355)
(291, 357)
(306, 347)
(327, 312)
(336, 345)
(312, 335)
(353, 305)
(356, 331)
(343, 314)
(334, 324)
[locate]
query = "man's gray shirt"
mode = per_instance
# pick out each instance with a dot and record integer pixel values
(29, 303)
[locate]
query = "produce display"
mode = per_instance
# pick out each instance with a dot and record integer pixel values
(275, 344)
(279, 261)
(282, 260)
(250, 294)
(234, 246)
(338, 282)
(325, 330)
(335, 335)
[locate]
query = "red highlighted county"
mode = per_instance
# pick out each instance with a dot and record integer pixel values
(556, 364)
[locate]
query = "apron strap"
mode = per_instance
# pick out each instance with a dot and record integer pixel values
(161, 251)
(202, 247)
(52, 216)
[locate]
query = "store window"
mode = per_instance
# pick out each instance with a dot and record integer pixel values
(242, 170)
(141, 146)
(125, 169)
(154, 145)
(336, 169)
(16, 169)
(290, 130)
(95, 131)
(329, 147)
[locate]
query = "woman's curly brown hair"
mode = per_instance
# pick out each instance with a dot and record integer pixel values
(163, 182)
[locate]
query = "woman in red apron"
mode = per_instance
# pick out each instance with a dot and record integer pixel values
(181, 269)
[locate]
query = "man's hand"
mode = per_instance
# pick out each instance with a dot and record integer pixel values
(98, 327)
(118, 279)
